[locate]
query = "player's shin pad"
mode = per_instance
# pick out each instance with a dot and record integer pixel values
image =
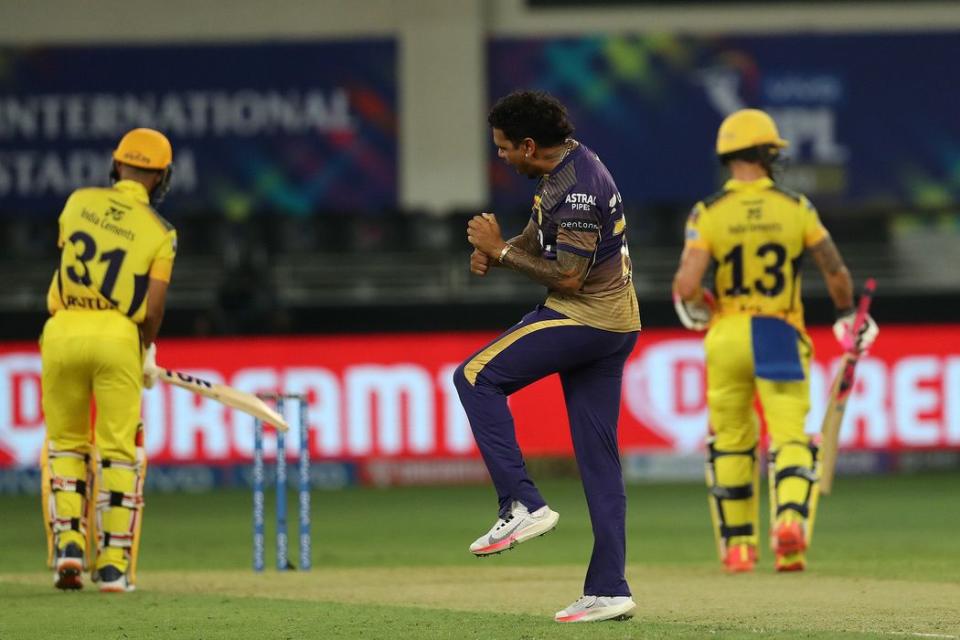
(65, 492)
(732, 478)
(794, 487)
(119, 513)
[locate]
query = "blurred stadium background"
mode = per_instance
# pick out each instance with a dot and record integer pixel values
(328, 155)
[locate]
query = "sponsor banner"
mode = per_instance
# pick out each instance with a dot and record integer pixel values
(637, 469)
(252, 132)
(196, 478)
(668, 467)
(397, 473)
(638, 99)
(664, 467)
(391, 397)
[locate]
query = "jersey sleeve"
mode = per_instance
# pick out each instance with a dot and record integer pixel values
(695, 235)
(813, 229)
(54, 298)
(578, 224)
(54, 302)
(68, 206)
(162, 266)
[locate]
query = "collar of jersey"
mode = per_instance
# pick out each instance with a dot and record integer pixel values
(741, 185)
(134, 189)
(568, 158)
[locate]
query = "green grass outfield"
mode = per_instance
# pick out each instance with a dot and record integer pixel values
(393, 563)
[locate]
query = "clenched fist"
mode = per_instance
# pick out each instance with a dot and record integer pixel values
(483, 232)
(479, 263)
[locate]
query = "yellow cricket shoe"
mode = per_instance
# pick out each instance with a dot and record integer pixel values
(791, 543)
(740, 558)
(791, 562)
(790, 537)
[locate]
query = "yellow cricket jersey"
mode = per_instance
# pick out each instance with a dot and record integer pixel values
(756, 233)
(112, 242)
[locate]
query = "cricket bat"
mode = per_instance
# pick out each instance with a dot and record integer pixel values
(839, 392)
(240, 400)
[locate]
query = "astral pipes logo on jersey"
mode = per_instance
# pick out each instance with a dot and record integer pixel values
(581, 201)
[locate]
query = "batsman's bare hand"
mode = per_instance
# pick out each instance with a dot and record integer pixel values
(479, 263)
(483, 232)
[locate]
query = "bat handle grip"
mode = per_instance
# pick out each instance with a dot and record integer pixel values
(863, 308)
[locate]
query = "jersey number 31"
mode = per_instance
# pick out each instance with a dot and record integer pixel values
(79, 272)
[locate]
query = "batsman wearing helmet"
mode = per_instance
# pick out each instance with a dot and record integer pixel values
(106, 302)
(756, 234)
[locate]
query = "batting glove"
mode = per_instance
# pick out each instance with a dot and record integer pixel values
(150, 367)
(695, 315)
(843, 332)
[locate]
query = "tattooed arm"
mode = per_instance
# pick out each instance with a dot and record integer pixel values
(527, 241)
(834, 272)
(565, 274)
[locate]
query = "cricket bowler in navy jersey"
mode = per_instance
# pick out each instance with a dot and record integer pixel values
(575, 245)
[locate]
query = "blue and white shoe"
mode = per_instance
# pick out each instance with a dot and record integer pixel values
(111, 580)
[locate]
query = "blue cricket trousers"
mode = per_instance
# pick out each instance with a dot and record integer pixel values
(590, 363)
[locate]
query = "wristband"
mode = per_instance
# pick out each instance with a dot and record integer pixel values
(504, 251)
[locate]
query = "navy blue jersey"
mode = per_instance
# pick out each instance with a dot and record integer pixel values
(577, 209)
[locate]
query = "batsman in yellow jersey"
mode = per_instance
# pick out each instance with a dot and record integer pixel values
(106, 303)
(756, 234)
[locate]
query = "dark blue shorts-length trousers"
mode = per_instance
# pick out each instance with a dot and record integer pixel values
(590, 363)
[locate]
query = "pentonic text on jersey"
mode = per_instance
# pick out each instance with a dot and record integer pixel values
(580, 225)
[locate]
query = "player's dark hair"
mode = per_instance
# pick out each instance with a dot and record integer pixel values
(531, 114)
(766, 155)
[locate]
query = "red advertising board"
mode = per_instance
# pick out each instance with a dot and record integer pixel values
(391, 396)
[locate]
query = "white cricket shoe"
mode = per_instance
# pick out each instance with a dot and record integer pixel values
(596, 608)
(519, 526)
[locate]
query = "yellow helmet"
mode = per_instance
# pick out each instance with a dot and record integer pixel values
(144, 148)
(747, 128)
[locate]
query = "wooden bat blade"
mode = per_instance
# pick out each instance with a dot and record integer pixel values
(240, 400)
(830, 428)
(839, 392)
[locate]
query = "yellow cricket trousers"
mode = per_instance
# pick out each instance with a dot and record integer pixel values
(92, 355)
(731, 388)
